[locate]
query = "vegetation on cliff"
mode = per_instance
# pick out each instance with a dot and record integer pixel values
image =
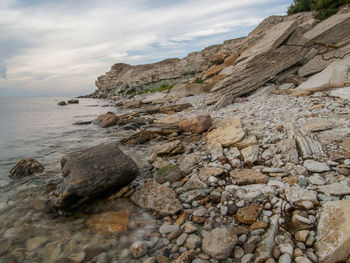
(323, 8)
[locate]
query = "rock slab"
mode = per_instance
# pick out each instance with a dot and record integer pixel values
(333, 232)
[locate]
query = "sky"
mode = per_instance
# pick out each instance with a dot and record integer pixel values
(60, 47)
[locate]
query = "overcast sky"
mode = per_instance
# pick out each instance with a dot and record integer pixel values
(59, 47)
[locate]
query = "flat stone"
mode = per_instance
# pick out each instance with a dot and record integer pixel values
(166, 228)
(343, 93)
(109, 222)
(318, 124)
(249, 176)
(169, 148)
(227, 135)
(169, 120)
(333, 232)
(207, 171)
(157, 198)
(335, 189)
(248, 214)
(188, 161)
(185, 257)
(316, 167)
(181, 239)
(219, 243)
(169, 173)
(192, 195)
(248, 141)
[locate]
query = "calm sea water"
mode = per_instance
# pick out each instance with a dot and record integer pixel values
(39, 128)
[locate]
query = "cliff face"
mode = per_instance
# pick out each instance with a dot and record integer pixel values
(278, 45)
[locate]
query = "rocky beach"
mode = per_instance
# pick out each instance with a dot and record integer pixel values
(237, 153)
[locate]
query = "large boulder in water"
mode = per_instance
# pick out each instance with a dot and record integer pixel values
(90, 173)
(107, 120)
(26, 167)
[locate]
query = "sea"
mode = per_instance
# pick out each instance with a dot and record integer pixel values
(29, 230)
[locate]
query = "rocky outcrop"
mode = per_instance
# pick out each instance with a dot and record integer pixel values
(90, 173)
(26, 167)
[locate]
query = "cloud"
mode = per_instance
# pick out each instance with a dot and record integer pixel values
(62, 46)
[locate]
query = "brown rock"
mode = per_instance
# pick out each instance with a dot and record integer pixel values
(197, 124)
(185, 257)
(169, 148)
(109, 222)
(128, 104)
(26, 167)
(291, 180)
(138, 138)
(258, 225)
(158, 198)
(107, 120)
(214, 70)
(317, 106)
(248, 214)
(301, 93)
(198, 219)
(249, 176)
(297, 225)
(231, 60)
(218, 58)
(246, 142)
(180, 220)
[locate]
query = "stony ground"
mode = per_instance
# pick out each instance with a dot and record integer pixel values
(256, 198)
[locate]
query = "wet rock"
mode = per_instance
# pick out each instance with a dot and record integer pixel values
(26, 167)
(169, 148)
(333, 233)
(139, 249)
(62, 103)
(219, 243)
(106, 120)
(317, 167)
(109, 222)
(227, 135)
(170, 173)
(249, 176)
(73, 101)
(82, 122)
(157, 198)
(192, 195)
(35, 243)
(248, 214)
(131, 126)
(92, 172)
(196, 125)
(140, 137)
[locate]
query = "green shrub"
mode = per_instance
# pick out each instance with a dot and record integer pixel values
(199, 81)
(323, 8)
(163, 87)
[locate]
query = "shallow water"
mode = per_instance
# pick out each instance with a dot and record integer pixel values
(29, 230)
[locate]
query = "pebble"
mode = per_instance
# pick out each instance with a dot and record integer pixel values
(223, 210)
(285, 258)
(248, 258)
(303, 219)
(238, 252)
(165, 229)
(192, 241)
(286, 248)
(302, 260)
(181, 239)
(317, 167)
(301, 235)
(139, 249)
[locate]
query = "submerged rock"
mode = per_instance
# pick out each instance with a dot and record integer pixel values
(92, 172)
(62, 103)
(73, 101)
(26, 167)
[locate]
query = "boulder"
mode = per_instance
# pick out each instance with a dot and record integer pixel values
(196, 125)
(73, 101)
(90, 173)
(106, 120)
(227, 135)
(333, 232)
(157, 198)
(219, 243)
(62, 103)
(249, 176)
(26, 167)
